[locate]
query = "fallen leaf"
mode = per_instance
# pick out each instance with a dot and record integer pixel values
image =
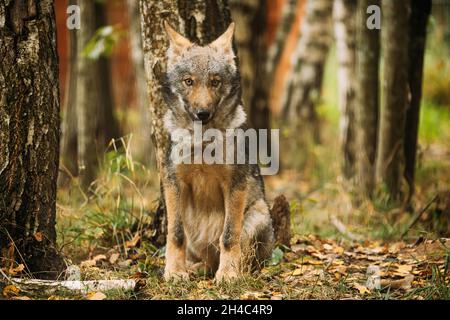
(96, 296)
(38, 236)
(113, 258)
(362, 289)
(297, 272)
(99, 257)
(403, 270)
(88, 263)
(10, 291)
(133, 242)
(16, 270)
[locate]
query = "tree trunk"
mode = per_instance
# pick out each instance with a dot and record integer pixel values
(107, 126)
(345, 24)
(391, 162)
(305, 79)
(144, 145)
(88, 106)
(367, 98)
(69, 126)
(280, 59)
(250, 17)
(29, 136)
(420, 12)
(96, 122)
(201, 22)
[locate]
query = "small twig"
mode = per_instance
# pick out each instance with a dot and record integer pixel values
(418, 215)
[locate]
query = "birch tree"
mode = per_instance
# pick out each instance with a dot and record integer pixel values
(345, 23)
(29, 136)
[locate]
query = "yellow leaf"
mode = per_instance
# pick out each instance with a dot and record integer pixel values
(362, 289)
(96, 296)
(16, 270)
(297, 272)
(10, 290)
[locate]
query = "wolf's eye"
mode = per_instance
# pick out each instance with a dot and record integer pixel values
(215, 83)
(189, 82)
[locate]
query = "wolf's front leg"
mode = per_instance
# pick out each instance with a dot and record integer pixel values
(230, 243)
(176, 244)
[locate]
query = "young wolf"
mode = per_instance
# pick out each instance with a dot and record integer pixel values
(218, 217)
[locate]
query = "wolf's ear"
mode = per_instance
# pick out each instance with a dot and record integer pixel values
(177, 42)
(225, 41)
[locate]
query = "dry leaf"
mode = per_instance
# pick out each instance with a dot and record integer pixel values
(362, 289)
(297, 272)
(99, 257)
(96, 296)
(133, 242)
(16, 270)
(38, 236)
(10, 291)
(114, 257)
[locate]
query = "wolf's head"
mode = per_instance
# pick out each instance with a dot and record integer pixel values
(202, 83)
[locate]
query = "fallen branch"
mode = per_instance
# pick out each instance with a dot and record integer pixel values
(343, 229)
(83, 287)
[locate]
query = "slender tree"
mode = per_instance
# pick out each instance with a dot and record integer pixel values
(29, 136)
(345, 24)
(89, 121)
(367, 98)
(395, 40)
(201, 22)
(420, 12)
(69, 124)
(145, 149)
(305, 78)
(250, 17)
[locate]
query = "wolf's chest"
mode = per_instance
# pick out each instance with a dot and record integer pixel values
(202, 192)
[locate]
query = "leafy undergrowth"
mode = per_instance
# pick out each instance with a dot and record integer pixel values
(312, 268)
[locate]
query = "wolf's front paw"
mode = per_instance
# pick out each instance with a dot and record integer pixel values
(228, 275)
(176, 275)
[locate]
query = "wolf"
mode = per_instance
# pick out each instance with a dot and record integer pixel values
(218, 218)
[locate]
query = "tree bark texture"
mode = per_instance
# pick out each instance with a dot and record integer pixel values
(395, 41)
(305, 78)
(250, 17)
(345, 24)
(367, 98)
(29, 136)
(420, 12)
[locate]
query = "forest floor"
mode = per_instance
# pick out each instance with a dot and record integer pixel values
(339, 250)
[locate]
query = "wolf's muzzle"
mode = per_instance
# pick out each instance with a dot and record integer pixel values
(203, 115)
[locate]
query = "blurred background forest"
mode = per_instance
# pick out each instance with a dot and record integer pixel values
(300, 73)
(316, 171)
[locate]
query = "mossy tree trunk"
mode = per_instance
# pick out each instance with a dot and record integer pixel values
(29, 136)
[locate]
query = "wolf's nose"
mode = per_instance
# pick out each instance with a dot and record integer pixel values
(203, 115)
